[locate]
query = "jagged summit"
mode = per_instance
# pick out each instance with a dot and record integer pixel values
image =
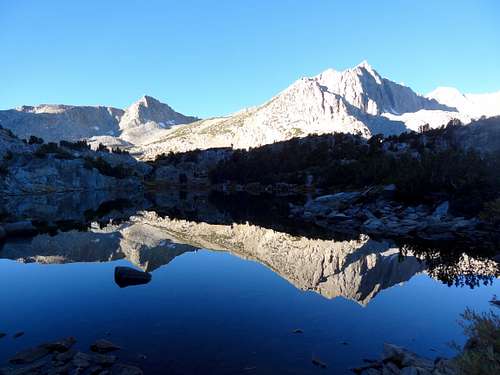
(364, 67)
(148, 101)
(364, 88)
(364, 64)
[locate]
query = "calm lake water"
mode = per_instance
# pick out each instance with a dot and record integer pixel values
(227, 294)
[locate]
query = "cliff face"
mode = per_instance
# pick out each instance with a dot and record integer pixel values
(61, 122)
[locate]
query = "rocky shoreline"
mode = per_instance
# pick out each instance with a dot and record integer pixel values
(400, 361)
(376, 213)
(59, 357)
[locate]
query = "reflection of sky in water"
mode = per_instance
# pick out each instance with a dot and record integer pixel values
(212, 312)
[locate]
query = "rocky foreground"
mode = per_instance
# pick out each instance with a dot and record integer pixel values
(60, 357)
(400, 361)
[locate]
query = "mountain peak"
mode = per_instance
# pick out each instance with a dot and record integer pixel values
(147, 101)
(153, 113)
(364, 64)
(363, 67)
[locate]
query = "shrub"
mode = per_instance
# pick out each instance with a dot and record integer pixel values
(107, 169)
(118, 150)
(491, 212)
(102, 148)
(52, 148)
(77, 146)
(35, 140)
(481, 354)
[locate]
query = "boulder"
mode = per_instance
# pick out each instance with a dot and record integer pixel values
(103, 359)
(33, 354)
(127, 276)
(336, 217)
(31, 369)
(30, 355)
(66, 356)
(81, 360)
(373, 224)
(338, 200)
(388, 191)
(441, 210)
(62, 345)
(121, 369)
(402, 357)
(103, 346)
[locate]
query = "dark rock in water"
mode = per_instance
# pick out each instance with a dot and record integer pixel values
(404, 358)
(103, 346)
(126, 276)
(34, 354)
(27, 370)
(103, 359)
(441, 210)
(318, 362)
(59, 369)
(18, 334)
(398, 360)
(95, 370)
(2, 335)
(62, 345)
(126, 370)
(3, 234)
(30, 355)
(20, 228)
(66, 356)
(388, 191)
(81, 360)
(298, 330)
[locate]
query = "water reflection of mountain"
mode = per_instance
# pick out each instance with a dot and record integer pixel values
(356, 269)
(142, 245)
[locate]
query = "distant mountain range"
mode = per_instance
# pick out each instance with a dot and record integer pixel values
(54, 122)
(357, 100)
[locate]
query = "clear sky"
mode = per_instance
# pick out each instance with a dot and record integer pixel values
(214, 57)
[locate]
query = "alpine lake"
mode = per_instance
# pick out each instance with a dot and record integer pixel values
(236, 286)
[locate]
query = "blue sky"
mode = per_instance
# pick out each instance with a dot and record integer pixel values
(214, 57)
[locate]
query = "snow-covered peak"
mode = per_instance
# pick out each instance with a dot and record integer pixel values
(474, 105)
(447, 95)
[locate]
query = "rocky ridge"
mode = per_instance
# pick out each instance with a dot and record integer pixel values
(34, 168)
(112, 126)
(357, 101)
